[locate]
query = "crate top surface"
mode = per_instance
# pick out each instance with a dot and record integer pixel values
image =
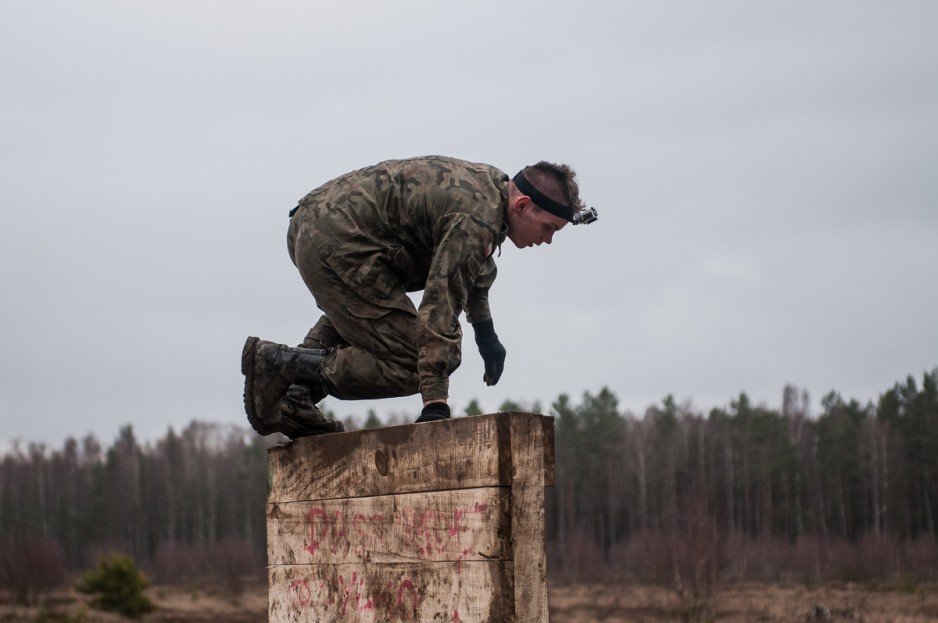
(463, 452)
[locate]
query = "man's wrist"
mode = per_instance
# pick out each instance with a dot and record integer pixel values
(434, 411)
(485, 332)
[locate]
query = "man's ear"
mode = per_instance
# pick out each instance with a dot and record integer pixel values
(522, 203)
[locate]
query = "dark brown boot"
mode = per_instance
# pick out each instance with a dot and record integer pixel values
(269, 369)
(300, 417)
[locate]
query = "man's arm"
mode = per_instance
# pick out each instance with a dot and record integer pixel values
(477, 306)
(478, 314)
(459, 254)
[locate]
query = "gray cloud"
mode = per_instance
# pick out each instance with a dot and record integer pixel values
(764, 175)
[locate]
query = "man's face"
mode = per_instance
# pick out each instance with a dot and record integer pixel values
(528, 225)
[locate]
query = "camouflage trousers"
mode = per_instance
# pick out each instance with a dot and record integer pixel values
(372, 337)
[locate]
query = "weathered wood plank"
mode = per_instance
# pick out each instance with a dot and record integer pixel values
(548, 426)
(527, 520)
(547, 423)
(445, 592)
(455, 525)
(431, 522)
(461, 453)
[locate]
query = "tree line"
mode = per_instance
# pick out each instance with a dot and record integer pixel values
(745, 479)
(179, 497)
(630, 491)
(854, 470)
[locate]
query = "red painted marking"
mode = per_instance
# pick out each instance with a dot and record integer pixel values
(414, 596)
(384, 598)
(457, 516)
(425, 532)
(302, 596)
(455, 618)
(313, 541)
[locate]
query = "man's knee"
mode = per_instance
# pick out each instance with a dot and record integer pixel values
(388, 332)
(352, 373)
(323, 335)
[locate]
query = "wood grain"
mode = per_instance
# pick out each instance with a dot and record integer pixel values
(441, 521)
(454, 525)
(527, 520)
(462, 453)
(467, 592)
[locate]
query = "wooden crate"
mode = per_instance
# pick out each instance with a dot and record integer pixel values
(442, 522)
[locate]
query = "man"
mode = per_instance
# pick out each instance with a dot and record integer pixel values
(365, 239)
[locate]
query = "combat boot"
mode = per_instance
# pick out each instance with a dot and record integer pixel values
(300, 417)
(269, 369)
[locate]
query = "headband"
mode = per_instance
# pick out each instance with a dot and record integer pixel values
(543, 201)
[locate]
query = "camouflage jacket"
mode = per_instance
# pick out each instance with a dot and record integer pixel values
(429, 223)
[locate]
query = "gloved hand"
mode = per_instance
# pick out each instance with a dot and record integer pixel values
(433, 412)
(492, 351)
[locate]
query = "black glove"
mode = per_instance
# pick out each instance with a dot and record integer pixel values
(492, 351)
(433, 412)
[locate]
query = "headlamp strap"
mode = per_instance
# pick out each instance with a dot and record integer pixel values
(542, 200)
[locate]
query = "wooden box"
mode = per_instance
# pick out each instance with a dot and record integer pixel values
(441, 522)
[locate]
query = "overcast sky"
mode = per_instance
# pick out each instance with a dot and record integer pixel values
(765, 175)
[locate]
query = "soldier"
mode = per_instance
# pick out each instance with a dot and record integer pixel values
(365, 239)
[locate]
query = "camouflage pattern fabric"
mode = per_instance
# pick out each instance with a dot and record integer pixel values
(361, 241)
(323, 335)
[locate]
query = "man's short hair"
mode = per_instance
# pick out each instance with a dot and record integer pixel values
(557, 181)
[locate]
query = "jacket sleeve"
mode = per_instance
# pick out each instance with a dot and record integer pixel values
(458, 259)
(477, 306)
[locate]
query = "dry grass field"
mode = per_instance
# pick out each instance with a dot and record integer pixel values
(746, 603)
(741, 603)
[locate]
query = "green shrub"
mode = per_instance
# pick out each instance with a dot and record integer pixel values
(118, 586)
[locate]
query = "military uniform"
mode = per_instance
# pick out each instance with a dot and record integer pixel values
(362, 240)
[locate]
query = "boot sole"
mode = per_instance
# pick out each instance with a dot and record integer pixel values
(430, 418)
(247, 369)
(325, 428)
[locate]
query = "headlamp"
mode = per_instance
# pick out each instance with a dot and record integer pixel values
(578, 217)
(585, 216)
